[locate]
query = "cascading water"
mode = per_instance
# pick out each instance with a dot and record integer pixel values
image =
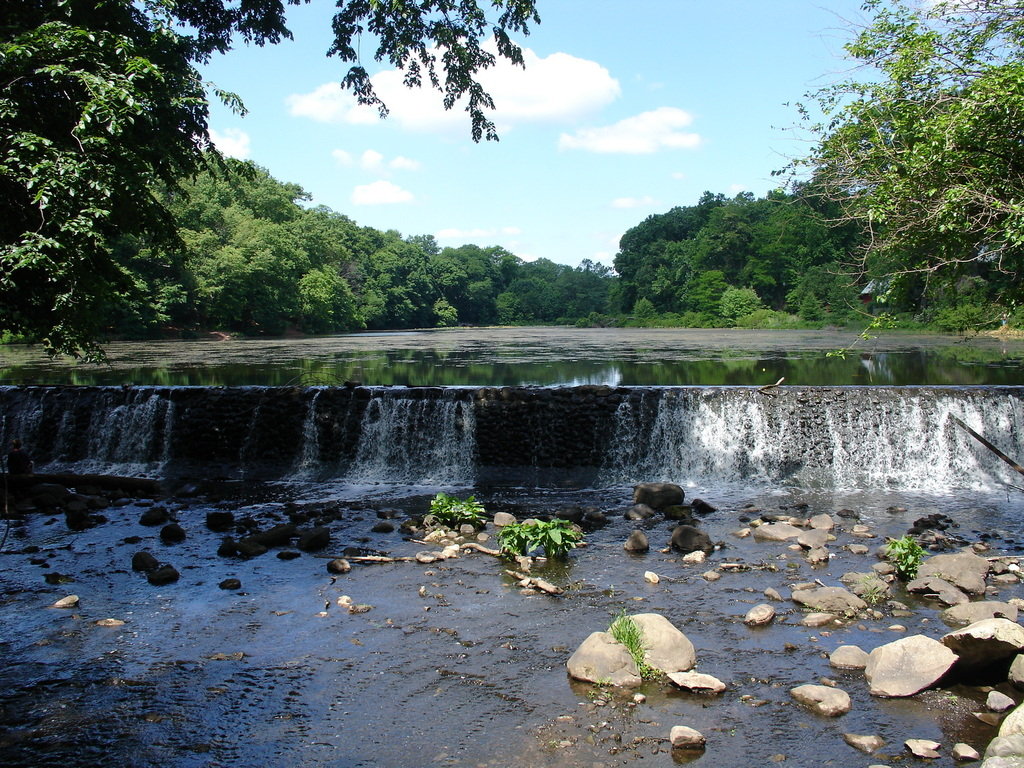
(805, 437)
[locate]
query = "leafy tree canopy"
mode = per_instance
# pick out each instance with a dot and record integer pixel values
(101, 106)
(923, 147)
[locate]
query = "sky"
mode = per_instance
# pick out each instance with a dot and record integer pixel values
(624, 109)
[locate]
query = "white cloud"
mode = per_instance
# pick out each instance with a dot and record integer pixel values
(678, 175)
(343, 157)
(380, 193)
(633, 202)
(558, 87)
(642, 134)
(371, 160)
(233, 142)
(405, 164)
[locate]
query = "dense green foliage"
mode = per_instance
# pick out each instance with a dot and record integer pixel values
(906, 555)
(556, 537)
(923, 150)
(452, 512)
(739, 261)
(101, 107)
(252, 259)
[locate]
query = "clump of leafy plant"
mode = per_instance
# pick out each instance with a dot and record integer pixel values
(629, 633)
(556, 537)
(452, 512)
(906, 555)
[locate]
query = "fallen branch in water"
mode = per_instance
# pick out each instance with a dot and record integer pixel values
(767, 388)
(1016, 467)
(529, 582)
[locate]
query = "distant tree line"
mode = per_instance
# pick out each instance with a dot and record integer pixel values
(253, 259)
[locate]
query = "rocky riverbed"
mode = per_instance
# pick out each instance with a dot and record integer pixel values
(251, 657)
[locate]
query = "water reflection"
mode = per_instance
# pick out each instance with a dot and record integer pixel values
(540, 356)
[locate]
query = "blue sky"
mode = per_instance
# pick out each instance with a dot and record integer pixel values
(624, 109)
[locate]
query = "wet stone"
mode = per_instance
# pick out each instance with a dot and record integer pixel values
(925, 748)
(759, 615)
(867, 743)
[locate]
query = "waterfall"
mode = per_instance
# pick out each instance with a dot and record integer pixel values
(841, 438)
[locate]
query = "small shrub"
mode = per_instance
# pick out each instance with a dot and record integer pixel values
(906, 555)
(556, 538)
(451, 511)
(628, 632)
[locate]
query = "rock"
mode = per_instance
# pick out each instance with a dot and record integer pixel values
(228, 547)
(70, 601)
(250, 546)
(965, 753)
(640, 512)
(338, 565)
(986, 642)
(154, 516)
(679, 512)
(501, 519)
(665, 647)
(848, 657)
(220, 521)
(1016, 673)
(907, 666)
(172, 533)
(933, 586)
(776, 532)
(697, 682)
(816, 538)
(923, 747)
(637, 542)
(866, 743)
(165, 574)
(684, 737)
(278, 536)
(144, 561)
(818, 555)
(964, 570)
(657, 495)
(109, 623)
(759, 615)
(773, 594)
(686, 539)
(830, 702)
(651, 577)
(230, 584)
(695, 558)
(822, 522)
(867, 586)
(999, 702)
(1005, 745)
(701, 507)
(817, 619)
(857, 549)
(830, 600)
(315, 539)
(711, 575)
(970, 613)
(602, 659)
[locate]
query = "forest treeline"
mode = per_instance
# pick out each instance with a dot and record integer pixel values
(253, 258)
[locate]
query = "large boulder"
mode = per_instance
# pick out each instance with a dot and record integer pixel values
(986, 642)
(829, 600)
(964, 570)
(907, 666)
(686, 539)
(665, 647)
(969, 613)
(602, 659)
(657, 495)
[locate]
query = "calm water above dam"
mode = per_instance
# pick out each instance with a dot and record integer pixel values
(543, 357)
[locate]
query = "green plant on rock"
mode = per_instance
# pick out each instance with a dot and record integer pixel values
(629, 633)
(556, 537)
(906, 555)
(451, 512)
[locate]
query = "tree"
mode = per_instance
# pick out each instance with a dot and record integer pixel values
(101, 106)
(924, 149)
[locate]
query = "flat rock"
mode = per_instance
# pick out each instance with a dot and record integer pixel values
(964, 570)
(759, 615)
(867, 743)
(923, 748)
(697, 682)
(907, 666)
(986, 641)
(776, 532)
(848, 657)
(602, 659)
(816, 538)
(822, 522)
(829, 600)
(830, 702)
(70, 601)
(817, 619)
(684, 737)
(999, 702)
(942, 590)
(970, 613)
(965, 753)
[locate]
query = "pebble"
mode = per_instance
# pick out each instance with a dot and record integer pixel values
(711, 576)
(651, 577)
(71, 601)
